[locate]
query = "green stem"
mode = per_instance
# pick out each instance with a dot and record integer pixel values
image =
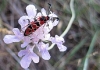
(90, 50)
(71, 20)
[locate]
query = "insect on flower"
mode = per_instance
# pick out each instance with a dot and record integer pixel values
(34, 25)
(35, 32)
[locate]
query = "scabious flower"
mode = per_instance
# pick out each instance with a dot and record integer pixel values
(37, 38)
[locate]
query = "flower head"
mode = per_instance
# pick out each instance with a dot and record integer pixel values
(36, 26)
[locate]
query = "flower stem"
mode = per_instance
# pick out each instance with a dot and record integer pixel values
(90, 50)
(70, 22)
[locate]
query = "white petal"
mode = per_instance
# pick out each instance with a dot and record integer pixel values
(55, 22)
(35, 40)
(46, 30)
(52, 39)
(34, 57)
(30, 48)
(57, 39)
(38, 34)
(45, 54)
(24, 21)
(49, 26)
(61, 47)
(24, 45)
(18, 33)
(52, 15)
(22, 53)
(42, 46)
(38, 14)
(27, 39)
(46, 37)
(25, 61)
(10, 38)
(31, 10)
(43, 11)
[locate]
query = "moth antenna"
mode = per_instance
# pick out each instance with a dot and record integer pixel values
(49, 8)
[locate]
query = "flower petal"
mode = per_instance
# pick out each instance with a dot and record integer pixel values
(55, 22)
(57, 39)
(31, 10)
(10, 38)
(25, 61)
(34, 57)
(18, 33)
(52, 15)
(27, 39)
(43, 11)
(38, 14)
(23, 21)
(24, 45)
(61, 47)
(22, 53)
(45, 54)
(46, 37)
(48, 27)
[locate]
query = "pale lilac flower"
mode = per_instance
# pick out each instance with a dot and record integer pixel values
(59, 41)
(27, 56)
(37, 38)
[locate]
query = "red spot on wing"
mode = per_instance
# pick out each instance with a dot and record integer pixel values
(27, 32)
(42, 22)
(34, 26)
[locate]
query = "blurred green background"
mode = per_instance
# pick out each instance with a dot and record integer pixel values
(82, 40)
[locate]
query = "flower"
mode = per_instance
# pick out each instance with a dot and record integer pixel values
(59, 41)
(27, 56)
(37, 38)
